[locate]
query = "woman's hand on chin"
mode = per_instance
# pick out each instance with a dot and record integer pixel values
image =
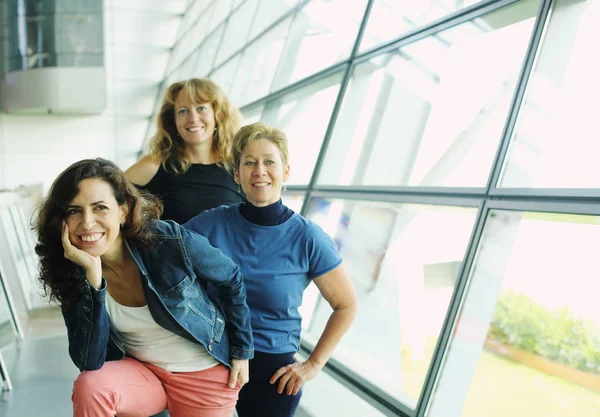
(91, 264)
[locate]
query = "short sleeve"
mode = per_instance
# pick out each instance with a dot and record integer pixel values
(203, 223)
(323, 254)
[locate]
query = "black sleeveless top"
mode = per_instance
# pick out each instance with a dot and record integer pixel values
(202, 187)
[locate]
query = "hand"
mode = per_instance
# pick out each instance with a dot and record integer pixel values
(239, 372)
(91, 264)
(293, 376)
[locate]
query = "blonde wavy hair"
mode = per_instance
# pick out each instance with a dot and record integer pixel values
(256, 131)
(167, 144)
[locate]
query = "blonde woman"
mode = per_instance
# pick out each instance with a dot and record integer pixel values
(188, 164)
(279, 253)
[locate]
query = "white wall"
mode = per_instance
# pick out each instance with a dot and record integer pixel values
(36, 148)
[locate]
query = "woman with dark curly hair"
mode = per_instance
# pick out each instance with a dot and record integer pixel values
(188, 164)
(141, 326)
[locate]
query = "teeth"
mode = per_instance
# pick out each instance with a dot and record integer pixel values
(195, 129)
(91, 238)
(261, 184)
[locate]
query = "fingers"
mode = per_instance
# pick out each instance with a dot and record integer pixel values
(66, 242)
(278, 374)
(65, 235)
(243, 379)
(233, 376)
(291, 379)
(239, 372)
(284, 375)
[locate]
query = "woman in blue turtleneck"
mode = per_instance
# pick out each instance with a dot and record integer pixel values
(279, 253)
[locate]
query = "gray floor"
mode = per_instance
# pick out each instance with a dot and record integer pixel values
(40, 369)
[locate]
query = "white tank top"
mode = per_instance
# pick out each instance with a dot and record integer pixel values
(146, 341)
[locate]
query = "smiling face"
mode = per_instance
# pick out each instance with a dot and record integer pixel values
(94, 218)
(261, 172)
(195, 122)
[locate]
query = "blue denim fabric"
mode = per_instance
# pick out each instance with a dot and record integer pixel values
(175, 273)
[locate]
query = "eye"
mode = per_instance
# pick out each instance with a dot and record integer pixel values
(182, 111)
(249, 163)
(72, 211)
(101, 208)
(202, 108)
(269, 162)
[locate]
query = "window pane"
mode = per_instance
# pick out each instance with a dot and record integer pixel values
(225, 75)
(222, 8)
(404, 260)
(191, 15)
(182, 49)
(293, 201)
(259, 64)
(192, 39)
(186, 69)
(303, 116)
(435, 109)
(391, 18)
(268, 12)
(206, 53)
(555, 143)
(252, 115)
(317, 41)
(527, 342)
(236, 33)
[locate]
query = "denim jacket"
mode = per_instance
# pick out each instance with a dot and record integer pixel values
(175, 273)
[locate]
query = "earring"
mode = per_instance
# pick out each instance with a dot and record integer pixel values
(215, 128)
(239, 189)
(284, 188)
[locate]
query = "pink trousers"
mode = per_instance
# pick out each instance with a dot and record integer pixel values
(129, 388)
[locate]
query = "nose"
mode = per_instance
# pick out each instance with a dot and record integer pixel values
(88, 220)
(193, 114)
(259, 170)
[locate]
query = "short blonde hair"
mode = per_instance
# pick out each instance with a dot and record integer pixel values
(170, 147)
(256, 131)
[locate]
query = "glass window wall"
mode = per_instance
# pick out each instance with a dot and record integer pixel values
(527, 339)
(434, 109)
(317, 41)
(259, 64)
(404, 260)
(303, 116)
(237, 30)
(389, 19)
(555, 142)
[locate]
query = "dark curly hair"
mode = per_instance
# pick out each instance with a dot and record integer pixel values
(61, 278)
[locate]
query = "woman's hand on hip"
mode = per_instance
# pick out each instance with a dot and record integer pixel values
(240, 372)
(291, 377)
(91, 264)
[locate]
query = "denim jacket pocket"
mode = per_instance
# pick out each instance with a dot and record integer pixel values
(176, 292)
(188, 296)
